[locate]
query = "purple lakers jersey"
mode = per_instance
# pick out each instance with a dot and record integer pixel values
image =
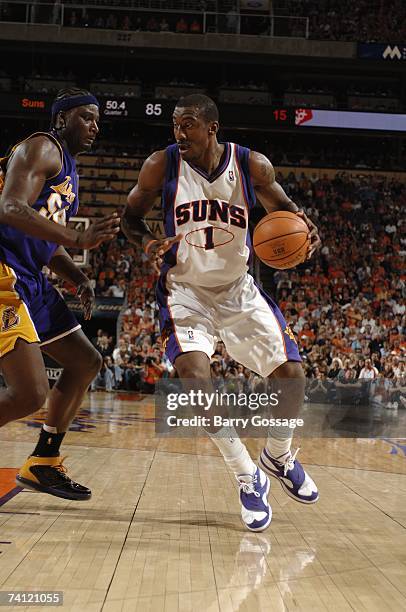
(58, 202)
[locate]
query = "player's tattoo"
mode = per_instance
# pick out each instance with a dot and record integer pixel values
(265, 169)
(14, 207)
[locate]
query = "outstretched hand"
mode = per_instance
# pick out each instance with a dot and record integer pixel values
(99, 231)
(155, 249)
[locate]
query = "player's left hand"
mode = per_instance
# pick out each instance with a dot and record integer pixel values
(315, 241)
(87, 298)
(156, 249)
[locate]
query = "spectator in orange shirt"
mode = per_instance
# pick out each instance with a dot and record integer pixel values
(152, 373)
(307, 331)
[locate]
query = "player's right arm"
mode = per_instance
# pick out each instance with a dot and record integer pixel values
(140, 201)
(32, 163)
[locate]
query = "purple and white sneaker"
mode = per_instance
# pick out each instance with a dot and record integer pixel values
(290, 473)
(256, 513)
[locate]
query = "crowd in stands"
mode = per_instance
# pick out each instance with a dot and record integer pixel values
(135, 361)
(364, 20)
(346, 307)
(328, 156)
(331, 152)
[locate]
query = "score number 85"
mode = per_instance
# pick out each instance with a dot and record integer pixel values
(153, 109)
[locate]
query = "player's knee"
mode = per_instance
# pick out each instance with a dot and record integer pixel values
(29, 398)
(193, 371)
(94, 363)
(290, 369)
(292, 378)
(88, 365)
(39, 394)
(193, 365)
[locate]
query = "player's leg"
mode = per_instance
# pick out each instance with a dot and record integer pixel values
(81, 362)
(63, 340)
(276, 458)
(254, 485)
(189, 337)
(27, 384)
(44, 470)
(21, 360)
(259, 338)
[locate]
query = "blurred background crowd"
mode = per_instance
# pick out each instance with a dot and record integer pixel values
(346, 306)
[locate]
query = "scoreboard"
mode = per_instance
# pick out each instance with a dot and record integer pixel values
(159, 112)
(136, 108)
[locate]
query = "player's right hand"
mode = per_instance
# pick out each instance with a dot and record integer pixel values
(155, 249)
(99, 231)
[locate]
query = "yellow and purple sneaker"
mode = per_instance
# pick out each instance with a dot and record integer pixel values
(48, 475)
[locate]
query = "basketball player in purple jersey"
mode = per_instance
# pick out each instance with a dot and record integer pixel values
(205, 292)
(39, 194)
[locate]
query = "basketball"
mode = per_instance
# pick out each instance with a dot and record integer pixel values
(281, 240)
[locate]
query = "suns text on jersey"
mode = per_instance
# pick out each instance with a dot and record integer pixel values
(211, 210)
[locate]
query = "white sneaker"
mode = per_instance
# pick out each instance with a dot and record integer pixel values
(256, 513)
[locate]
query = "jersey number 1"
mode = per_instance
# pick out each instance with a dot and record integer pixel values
(209, 238)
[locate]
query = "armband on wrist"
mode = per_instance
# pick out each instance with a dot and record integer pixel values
(138, 226)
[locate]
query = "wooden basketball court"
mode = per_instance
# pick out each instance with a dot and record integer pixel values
(162, 531)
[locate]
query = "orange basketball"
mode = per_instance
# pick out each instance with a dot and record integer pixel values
(281, 240)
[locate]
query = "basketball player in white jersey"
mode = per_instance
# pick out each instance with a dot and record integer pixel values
(205, 292)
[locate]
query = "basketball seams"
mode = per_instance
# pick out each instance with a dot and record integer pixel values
(279, 237)
(287, 257)
(287, 215)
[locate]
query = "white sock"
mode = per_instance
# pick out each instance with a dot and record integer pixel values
(279, 441)
(50, 429)
(234, 451)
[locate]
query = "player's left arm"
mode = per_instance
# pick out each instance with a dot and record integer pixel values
(63, 266)
(273, 197)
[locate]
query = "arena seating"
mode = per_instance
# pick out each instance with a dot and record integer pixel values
(308, 90)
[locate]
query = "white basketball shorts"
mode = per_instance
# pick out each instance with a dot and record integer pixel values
(240, 314)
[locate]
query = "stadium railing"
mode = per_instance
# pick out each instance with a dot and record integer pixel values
(91, 16)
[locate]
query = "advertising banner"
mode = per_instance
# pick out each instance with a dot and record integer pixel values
(382, 51)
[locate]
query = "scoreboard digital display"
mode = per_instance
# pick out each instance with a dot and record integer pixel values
(161, 111)
(151, 111)
(136, 109)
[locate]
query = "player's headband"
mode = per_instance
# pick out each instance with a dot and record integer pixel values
(68, 103)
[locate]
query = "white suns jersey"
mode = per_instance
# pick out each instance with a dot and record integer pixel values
(212, 214)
